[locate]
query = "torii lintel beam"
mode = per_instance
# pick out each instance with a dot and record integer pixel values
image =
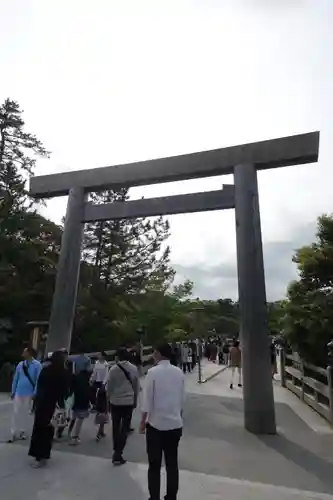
(166, 205)
(282, 152)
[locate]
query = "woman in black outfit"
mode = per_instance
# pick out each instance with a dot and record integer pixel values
(273, 359)
(52, 389)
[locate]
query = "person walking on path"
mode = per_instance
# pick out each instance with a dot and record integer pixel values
(194, 348)
(135, 357)
(225, 350)
(213, 352)
(23, 392)
(61, 420)
(162, 409)
(185, 351)
(235, 363)
(102, 412)
(272, 350)
(176, 355)
(122, 389)
(99, 376)
(52, 390)
(81, 362)
(189, 359)
(81, 402)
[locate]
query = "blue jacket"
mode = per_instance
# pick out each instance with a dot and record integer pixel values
(21, 384)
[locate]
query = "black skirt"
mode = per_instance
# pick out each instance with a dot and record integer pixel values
(41, 442)
(42, 435)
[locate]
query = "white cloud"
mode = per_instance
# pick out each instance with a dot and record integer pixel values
(120, 80)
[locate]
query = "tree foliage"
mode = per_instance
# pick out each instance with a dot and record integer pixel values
(126, 254)
(29, 243)
(19, 151)
(309, 310)
(124, 259)
(276, 316)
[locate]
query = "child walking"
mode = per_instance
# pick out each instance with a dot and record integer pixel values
(81, 403)
(102, 414)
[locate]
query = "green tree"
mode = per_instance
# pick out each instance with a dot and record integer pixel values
(309, 310)
(19, 151)
(127, 254)
(276, 314)
(28, 243)
(183, 290)
(28, 269)
(127, 262)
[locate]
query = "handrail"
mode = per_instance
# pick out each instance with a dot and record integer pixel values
(312, 384)
(294, 357)
(93, 355)
(146, 356)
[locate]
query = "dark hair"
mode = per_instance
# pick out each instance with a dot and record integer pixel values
(58, 360)
(31, 351)
(122, 354)
(69, 364)
(103, 354)
(236, 343)
(164, 350)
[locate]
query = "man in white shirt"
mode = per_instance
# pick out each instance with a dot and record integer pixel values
(99, 376)
(162, 409)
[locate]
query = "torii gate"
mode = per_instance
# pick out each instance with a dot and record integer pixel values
(241, 161)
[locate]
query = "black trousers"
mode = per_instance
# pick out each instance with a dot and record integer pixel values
(121, 421)
(161, 443)
(187, 367)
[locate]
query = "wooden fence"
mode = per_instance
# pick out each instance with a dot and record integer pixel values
(312, 384)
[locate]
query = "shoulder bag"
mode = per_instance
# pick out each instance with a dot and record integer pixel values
(27, 374)
(127, 375)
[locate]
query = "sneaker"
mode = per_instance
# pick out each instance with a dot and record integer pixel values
(98, 438)
(38, 464)
(231, 386)
(239, 385)
(74, 441)
(131, 430)
(119, 461)
(23, 436)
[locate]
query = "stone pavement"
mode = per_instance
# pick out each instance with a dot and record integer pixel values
(218, 458)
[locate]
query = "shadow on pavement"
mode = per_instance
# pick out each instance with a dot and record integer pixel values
(68, 477)
(301, 456)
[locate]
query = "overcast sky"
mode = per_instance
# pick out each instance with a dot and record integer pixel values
(112, 81)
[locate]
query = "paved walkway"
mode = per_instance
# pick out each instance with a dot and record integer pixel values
(218, 458)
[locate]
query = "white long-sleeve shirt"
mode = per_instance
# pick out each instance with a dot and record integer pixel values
(163, 396)
(100, 371)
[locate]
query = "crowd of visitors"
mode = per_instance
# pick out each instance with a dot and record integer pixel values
(63, 391)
